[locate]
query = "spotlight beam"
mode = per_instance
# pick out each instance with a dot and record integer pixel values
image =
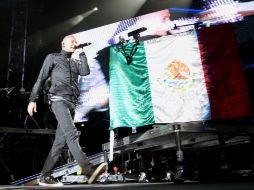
(57, 30)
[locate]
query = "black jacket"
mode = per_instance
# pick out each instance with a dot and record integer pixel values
(64, 73)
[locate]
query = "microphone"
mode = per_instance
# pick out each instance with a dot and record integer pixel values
(83, 45)
(136, 32)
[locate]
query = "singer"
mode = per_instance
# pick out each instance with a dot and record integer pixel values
(63, 95)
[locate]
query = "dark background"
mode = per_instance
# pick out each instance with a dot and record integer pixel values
(24, 154)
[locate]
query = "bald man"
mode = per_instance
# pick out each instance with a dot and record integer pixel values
(63, 94)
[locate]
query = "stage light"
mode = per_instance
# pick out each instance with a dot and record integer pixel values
(55, 31)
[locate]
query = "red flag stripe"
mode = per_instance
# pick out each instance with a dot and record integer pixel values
(225, 79)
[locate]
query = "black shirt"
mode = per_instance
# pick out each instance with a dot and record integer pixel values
(64, 73)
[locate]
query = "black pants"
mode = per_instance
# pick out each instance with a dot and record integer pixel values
(66, 132)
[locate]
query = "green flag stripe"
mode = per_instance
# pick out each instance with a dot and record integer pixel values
(130, 95)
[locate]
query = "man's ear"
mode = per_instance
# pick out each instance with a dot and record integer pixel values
(62, 44)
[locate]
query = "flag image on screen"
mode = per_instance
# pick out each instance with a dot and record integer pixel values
(178, 78)
(94, 88)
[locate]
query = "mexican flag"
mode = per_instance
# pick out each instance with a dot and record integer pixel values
(192, 76)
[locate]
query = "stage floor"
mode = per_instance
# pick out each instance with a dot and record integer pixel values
(150, 186)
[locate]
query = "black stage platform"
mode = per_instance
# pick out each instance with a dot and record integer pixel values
(150, 186)
(209, 152)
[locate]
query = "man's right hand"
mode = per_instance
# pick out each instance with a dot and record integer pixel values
(31, 108)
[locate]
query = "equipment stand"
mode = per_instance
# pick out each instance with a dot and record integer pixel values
(179, 154)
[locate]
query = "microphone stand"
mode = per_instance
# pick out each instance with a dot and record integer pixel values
(129, 56)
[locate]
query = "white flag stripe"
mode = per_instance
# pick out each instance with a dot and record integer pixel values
(176, 78)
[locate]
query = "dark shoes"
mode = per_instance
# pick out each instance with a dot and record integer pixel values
(97, 172)
(49, 181)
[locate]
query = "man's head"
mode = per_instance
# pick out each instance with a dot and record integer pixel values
(69, 43)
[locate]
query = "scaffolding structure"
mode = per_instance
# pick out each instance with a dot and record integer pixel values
(18, 42)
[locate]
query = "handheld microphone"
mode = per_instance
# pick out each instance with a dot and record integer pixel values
(83, 45)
